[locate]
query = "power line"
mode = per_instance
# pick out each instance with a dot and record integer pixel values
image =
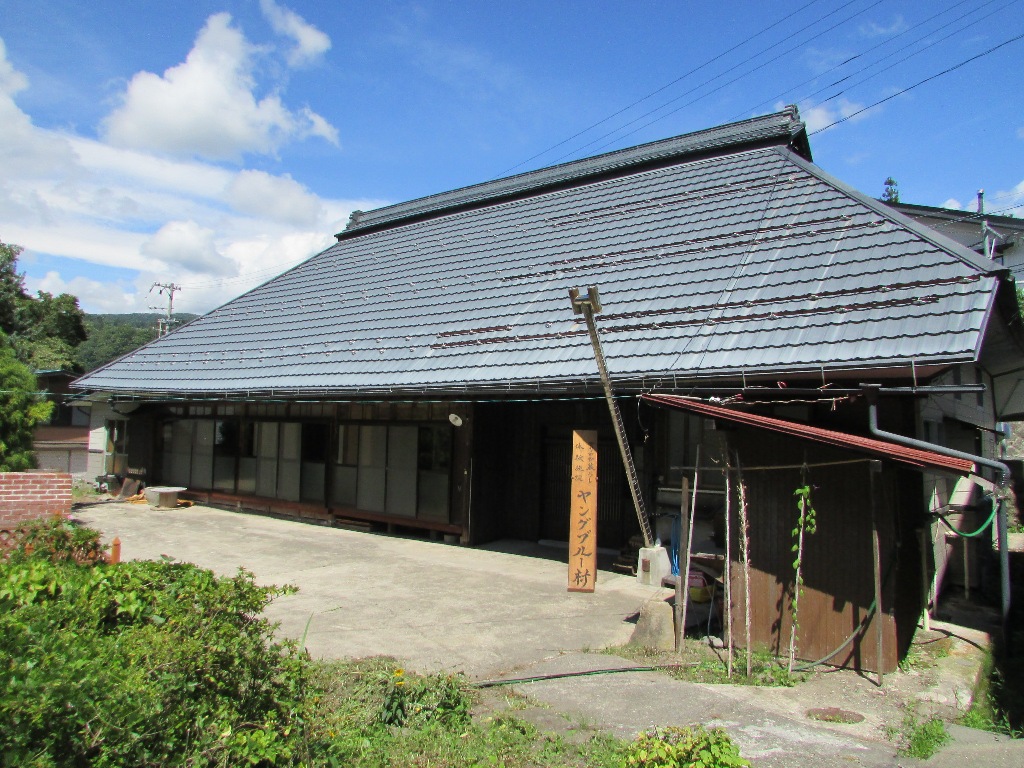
(900, 61)
(708, 82)
(669, 85)
(889, 41)
(909, 88)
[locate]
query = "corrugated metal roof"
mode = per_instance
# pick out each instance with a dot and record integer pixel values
(754, 261)
(913, 456)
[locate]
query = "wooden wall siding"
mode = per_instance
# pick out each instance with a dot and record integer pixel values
(838, 561)
(521, 472)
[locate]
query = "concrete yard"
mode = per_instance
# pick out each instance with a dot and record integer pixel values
(435, 606)
(503, 612)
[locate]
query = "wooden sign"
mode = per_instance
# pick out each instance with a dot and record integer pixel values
(583, 512)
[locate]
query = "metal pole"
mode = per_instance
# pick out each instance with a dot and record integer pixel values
(926, 590)
(871, 390)
(685, 573)
(678, 608)
(588, 307)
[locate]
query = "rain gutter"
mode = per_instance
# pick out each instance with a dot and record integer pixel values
(871, 392)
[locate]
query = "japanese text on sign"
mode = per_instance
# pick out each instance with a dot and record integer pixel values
(583, 512)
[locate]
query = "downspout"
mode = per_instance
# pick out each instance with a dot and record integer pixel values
(871, 392)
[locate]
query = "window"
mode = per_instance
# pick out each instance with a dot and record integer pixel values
(434, 475)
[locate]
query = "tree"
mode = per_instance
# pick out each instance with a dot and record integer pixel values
(21, 409)
(890, 191)
(12, 287)
(109, 341)
(43, 330)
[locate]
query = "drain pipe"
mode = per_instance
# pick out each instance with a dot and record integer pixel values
(871, 392)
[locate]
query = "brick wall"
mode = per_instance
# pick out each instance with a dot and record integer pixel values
(28, 496)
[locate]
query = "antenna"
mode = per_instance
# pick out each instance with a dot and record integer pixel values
(163, 324)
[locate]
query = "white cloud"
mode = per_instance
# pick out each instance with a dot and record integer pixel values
(1020, 132)
(821, 116)
(279, 198)
(96, 295)
(310, 42)
(953, 204)
(1007, 201)
(186, 245)
(23, 149)
(874, 29)
(207, 105)
(126, 210)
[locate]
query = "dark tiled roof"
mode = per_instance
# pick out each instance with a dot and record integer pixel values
(781, 127)
(752, 261)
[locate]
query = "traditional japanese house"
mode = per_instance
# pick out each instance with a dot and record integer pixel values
(426, 371)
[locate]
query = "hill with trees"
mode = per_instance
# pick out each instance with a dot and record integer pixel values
(110, 336)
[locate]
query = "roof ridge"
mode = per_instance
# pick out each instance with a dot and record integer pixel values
(778, 127)
(958, 251)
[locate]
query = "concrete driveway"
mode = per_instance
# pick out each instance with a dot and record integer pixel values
(436, 606)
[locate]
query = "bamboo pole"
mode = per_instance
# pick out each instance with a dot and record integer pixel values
(684, 573)
(727, 607)
(877, 556)
(745, 553)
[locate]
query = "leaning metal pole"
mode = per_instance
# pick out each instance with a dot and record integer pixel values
(588, 307)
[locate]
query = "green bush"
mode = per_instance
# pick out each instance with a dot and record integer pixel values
(58, 539)
(695, 747)
(144, 663)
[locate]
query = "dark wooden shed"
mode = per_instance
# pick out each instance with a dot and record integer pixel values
(857, 485)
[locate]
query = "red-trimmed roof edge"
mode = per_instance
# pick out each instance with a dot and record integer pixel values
(913, 456)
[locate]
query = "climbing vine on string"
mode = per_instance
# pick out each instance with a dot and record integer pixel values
(806, 525)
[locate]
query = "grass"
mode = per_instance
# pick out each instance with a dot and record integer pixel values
(997, 706)
(83, 491)
(919, 738)
(698, 663)
(350, 718)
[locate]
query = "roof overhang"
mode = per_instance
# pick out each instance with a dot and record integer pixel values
(881, 448)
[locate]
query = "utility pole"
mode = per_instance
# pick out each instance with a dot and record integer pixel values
(163, 324)
(984, 226)
(588, 307)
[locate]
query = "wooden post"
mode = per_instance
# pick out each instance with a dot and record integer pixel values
(583, 512)
(684, 573)
(874, 467)
(727, 606)
(115, 551)
(678, 608)
(744, 544)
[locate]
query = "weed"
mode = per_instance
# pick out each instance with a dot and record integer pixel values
(918, 738)
(985, 712)
(697, 663)
(684, 747)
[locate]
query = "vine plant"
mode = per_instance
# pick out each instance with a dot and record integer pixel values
(807, 524)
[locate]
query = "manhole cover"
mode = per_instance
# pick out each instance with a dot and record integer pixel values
(835, 715)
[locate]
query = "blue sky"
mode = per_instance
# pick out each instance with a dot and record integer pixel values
(215, 144)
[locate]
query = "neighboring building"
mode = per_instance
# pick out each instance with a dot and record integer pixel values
(62, 444)
(1002, 236)
(426, 371)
